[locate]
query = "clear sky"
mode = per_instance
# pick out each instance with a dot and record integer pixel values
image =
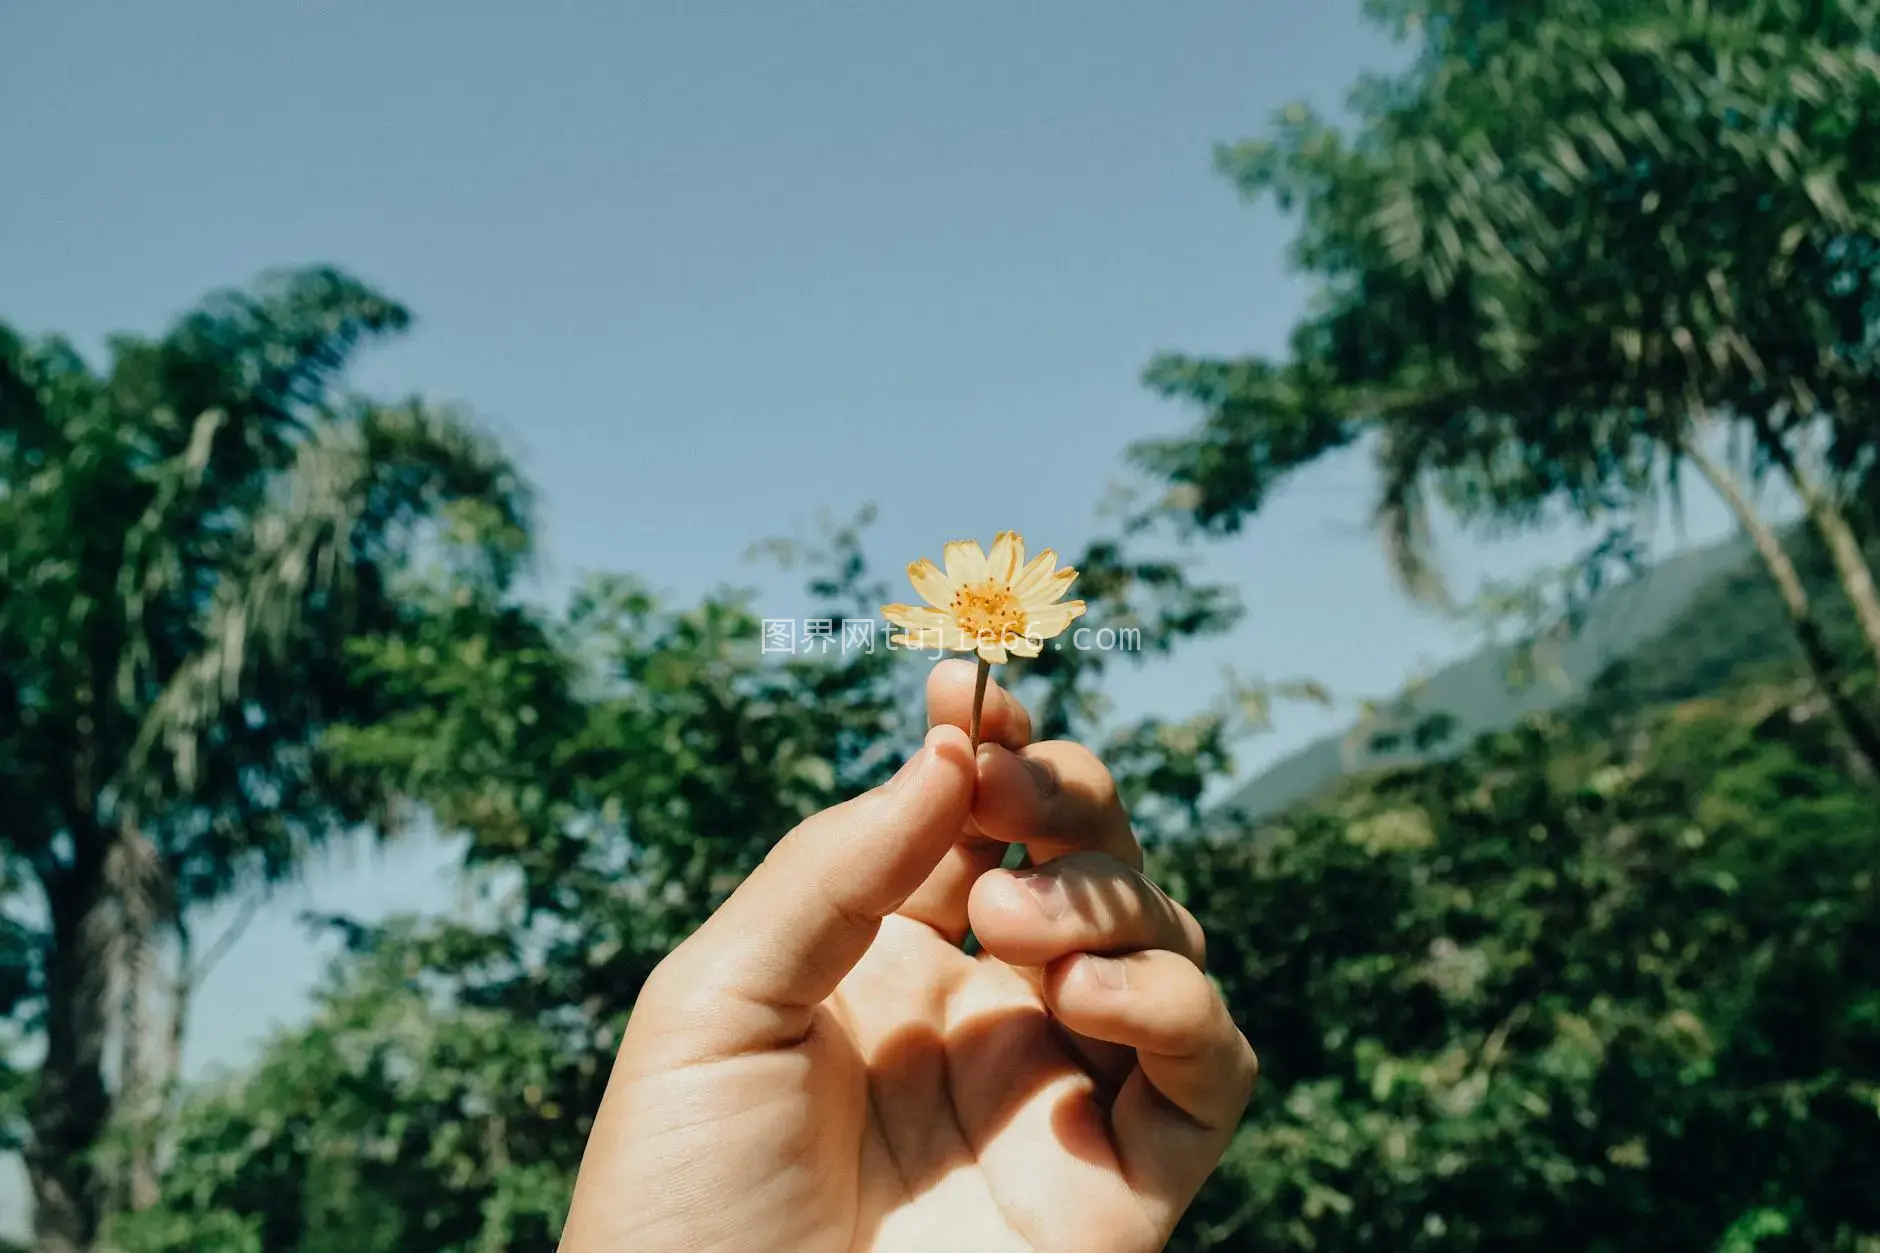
(714, 266)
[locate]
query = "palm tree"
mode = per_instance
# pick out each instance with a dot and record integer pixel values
(189, 540)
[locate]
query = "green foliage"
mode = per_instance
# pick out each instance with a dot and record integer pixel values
(618, 768)
(1605, 980)
(406, 1113)
(1561, 991)
(1576, 246)
(190, 538)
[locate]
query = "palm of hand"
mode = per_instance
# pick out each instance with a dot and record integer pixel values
(970, 1120)
(936, 1101)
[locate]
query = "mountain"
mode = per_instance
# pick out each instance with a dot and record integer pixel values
(1684, 627)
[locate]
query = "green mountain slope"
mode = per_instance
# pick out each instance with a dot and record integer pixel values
(1686, 627)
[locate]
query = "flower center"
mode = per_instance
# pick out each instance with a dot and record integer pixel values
(988, 611)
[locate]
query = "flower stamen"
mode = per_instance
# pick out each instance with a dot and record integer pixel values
(989, 612)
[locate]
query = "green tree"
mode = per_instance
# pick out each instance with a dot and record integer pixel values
(1575, 248)
(1604, 981)
(618, 768)
(1580, 987)
(190, 536)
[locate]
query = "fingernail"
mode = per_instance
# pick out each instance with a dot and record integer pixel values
(1048, 890)
(1110, 974)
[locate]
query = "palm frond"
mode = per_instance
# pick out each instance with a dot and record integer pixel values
(1402, 520)
(361, 489)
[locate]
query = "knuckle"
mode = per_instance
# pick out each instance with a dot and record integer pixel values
(1081, 768)
(1018, 718)
(668, 990)
(1100, 786)
(1196, 934)
(1246, 1069)
(1178, 927)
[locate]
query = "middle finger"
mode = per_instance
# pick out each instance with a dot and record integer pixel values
(1055, 798)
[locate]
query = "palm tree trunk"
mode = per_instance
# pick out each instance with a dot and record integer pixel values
(71, 1108)
(144, 899)
(1837, 533)
(1816, 651)
(136, 1103)
(168, 1074)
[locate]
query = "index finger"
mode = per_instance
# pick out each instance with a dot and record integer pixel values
(940, 902)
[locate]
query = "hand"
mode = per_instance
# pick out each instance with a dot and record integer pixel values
(821, 1067)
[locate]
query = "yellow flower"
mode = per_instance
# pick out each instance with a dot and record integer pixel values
(995, 604)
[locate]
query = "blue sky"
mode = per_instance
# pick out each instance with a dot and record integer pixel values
(714, 266)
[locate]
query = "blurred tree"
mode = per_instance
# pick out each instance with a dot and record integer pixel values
(1607, 981)
(1576, 247)
(618, 769)
(1581, 987)
(189, 538)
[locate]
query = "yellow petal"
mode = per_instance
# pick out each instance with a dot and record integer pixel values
(928, 639)
(1042, 624)
(993, 652)
(965, 562)
(916, 617)
(1037, 570)
(931, 585)
(1008, 554)
(1023, 646)
(1039, 595)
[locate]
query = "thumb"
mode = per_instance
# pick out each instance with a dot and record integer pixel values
(795, 928)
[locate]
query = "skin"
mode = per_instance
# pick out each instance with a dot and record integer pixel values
(820, 1067)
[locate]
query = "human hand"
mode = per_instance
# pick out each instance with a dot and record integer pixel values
(821, 1067)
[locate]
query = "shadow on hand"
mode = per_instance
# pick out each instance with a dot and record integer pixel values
(938, 1099)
